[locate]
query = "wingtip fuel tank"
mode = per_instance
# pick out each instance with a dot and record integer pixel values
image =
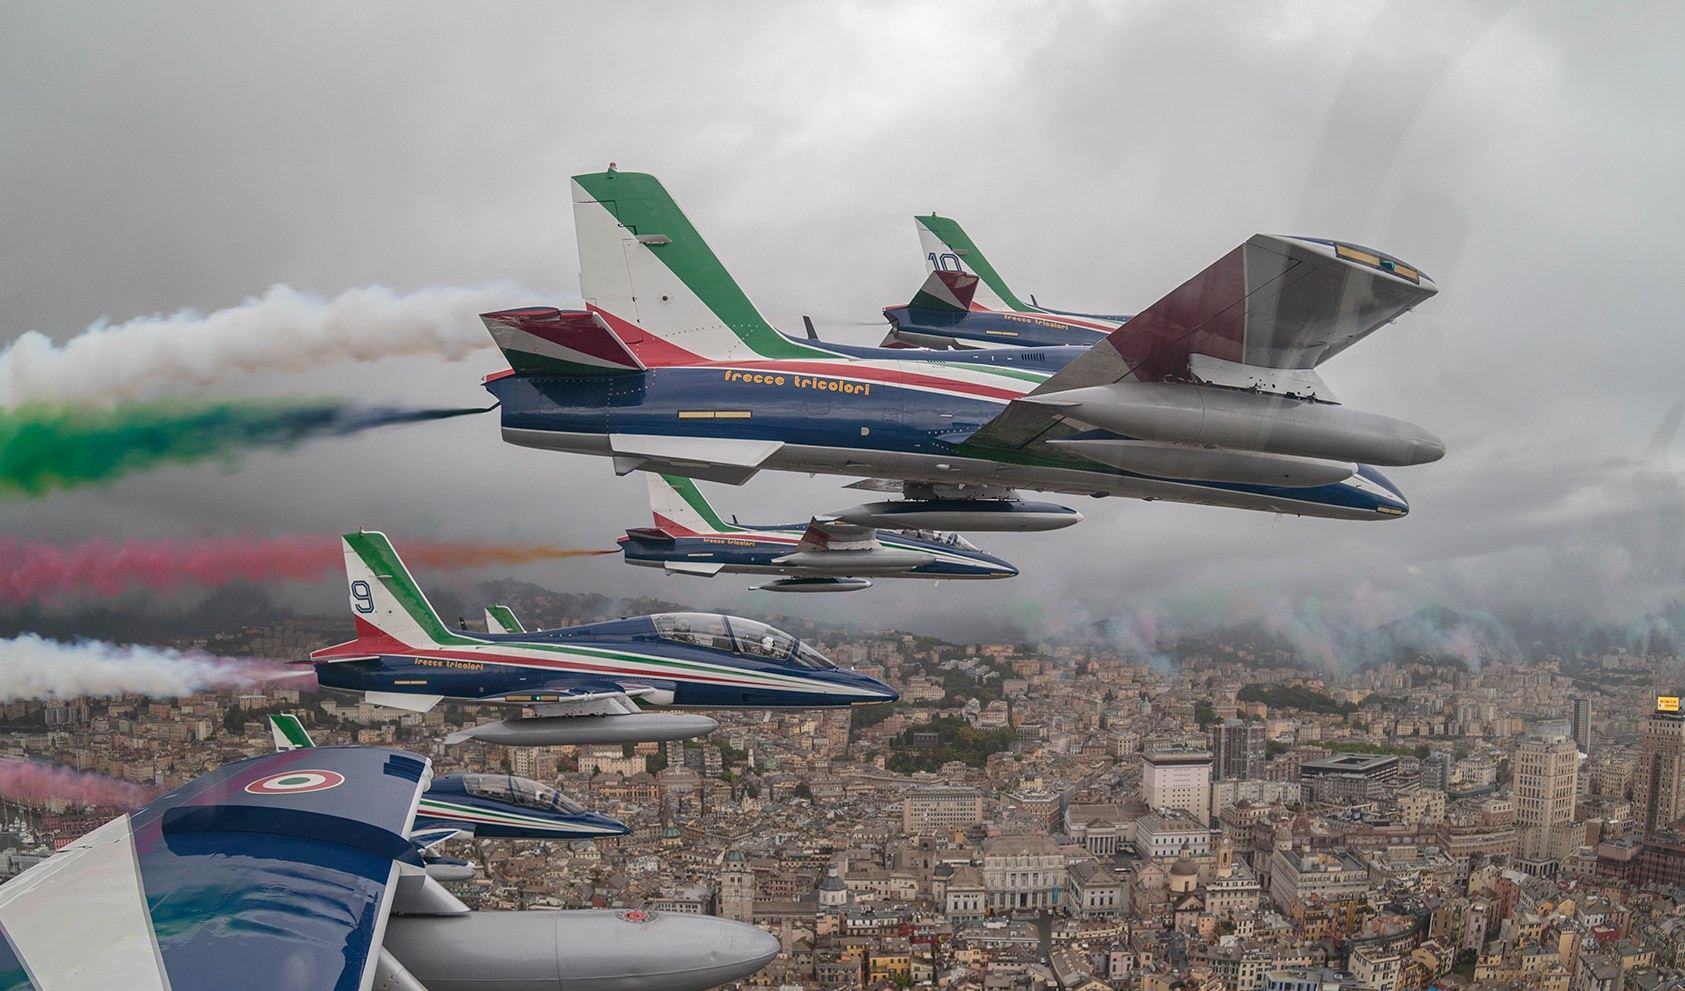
(1003, 515)
(595, 950)
(554, 731)
(1233, 419)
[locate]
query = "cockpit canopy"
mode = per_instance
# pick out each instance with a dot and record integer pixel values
(940, 537)
(740, 636)
(520, 791)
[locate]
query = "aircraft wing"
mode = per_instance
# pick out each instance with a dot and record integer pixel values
(271, 873)
(1260, 317)
(834, 535)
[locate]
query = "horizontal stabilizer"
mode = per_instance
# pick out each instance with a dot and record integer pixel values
(946, 292)
(650, 535)
(403, 700)
(542, 340)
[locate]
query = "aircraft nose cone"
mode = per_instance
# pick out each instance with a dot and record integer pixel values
(610, 827)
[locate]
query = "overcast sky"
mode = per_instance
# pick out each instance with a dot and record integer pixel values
(1527, 156)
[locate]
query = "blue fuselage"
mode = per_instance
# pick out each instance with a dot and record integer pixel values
(549, 666)
(989, 329)
(899, 414)
(757, 551)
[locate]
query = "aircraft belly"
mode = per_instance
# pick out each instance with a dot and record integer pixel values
(902, 440)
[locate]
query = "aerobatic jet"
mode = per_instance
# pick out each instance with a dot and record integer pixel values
(689, 538)
(493, 806)
(1209, 396)
(965, 303)
(294, 870)
(584, 682)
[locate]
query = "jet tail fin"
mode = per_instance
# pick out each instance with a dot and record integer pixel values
(289, 733)
(948, 248)
(501, 619)
(680, 508)
(389, 608)
(657, 284)
(543, 340)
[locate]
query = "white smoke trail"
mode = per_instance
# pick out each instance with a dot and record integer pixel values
(282, 330)
(32, 667)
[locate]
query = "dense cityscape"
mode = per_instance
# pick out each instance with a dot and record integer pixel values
(1057, 815)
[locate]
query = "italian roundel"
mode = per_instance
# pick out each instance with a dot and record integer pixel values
(296, 782)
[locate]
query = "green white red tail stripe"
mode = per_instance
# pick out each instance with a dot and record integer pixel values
(632, 234)
(680, 508)
(947, 247)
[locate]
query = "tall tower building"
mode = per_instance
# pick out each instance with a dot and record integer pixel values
(1546, 770)
(1177, 778)
(737, 888)
(1658, 782)
(1238, 747)
(1582, 725)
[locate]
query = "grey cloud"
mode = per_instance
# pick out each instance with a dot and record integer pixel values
(193, 155)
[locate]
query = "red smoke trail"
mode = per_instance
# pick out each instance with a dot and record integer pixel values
(41, 783)
(35, 571)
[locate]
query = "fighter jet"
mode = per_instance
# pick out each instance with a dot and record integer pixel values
(581, 680)
(965, 303)
(689, 538)
(294, 870)
(1208, 396)
(494, 806)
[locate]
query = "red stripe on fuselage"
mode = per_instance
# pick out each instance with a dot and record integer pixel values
(651, 350)
(676, 529)
(657, 353)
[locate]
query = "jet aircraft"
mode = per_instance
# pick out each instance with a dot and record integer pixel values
(1208, 396)
(581, 680)
(966, 304)
(294, 870)
(689, 538)
(494, 806)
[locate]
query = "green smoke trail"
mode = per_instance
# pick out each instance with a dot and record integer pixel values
(48, 446)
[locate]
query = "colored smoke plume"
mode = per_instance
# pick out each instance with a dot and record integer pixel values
(282, 330)
(39, 784)
(36, 571)
(47, 446)
(33, 667)
(467, 555)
